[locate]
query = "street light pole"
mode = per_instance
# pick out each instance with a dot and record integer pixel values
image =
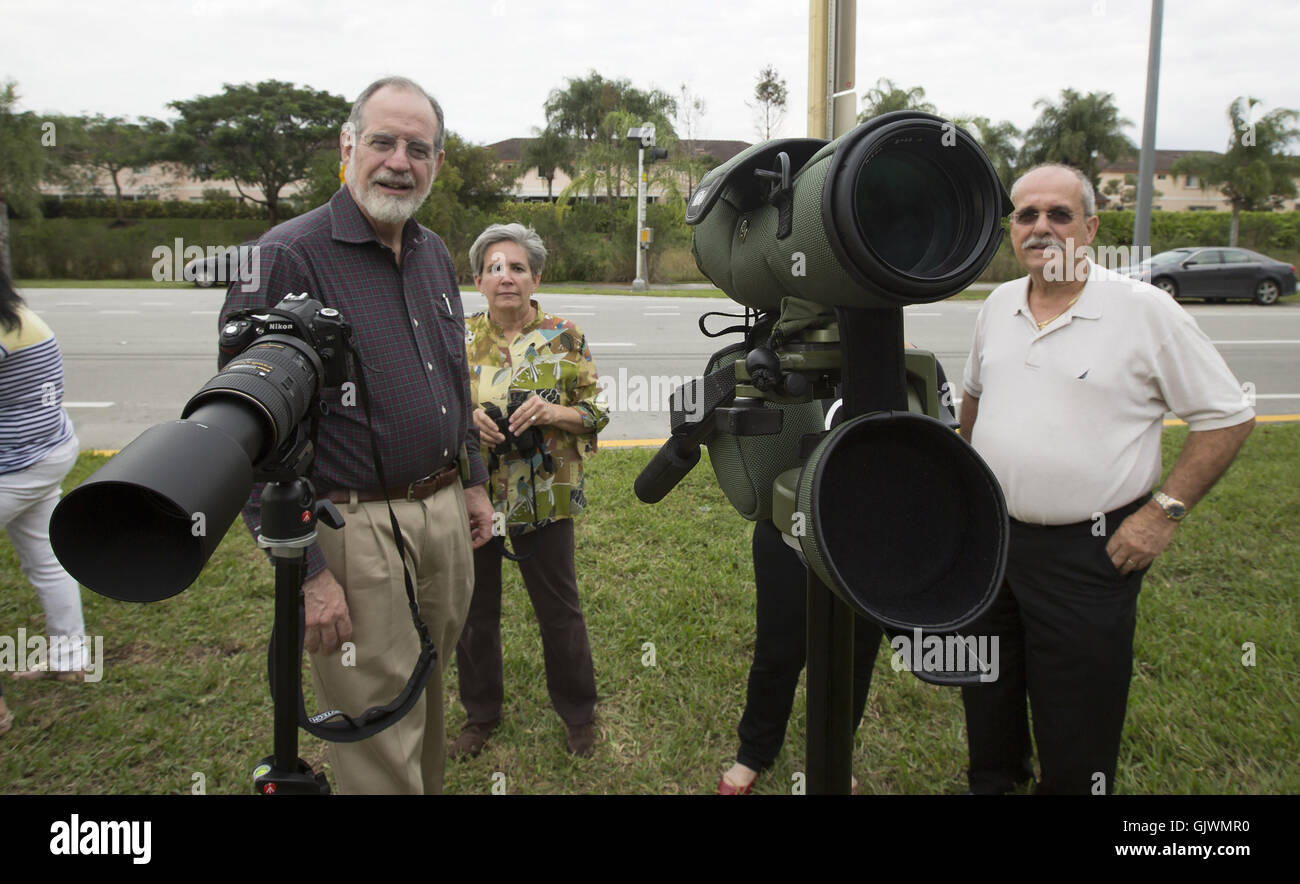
(1146, 157)
(639, 284)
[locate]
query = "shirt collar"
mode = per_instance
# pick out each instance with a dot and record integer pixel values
(535, 323)
(347, 224)
(1089, 304)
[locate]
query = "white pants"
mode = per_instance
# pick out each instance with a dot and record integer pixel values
(27, 499)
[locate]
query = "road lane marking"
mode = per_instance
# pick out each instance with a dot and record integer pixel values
(205, 312)
(1271, 341)
(120, 312)
(596, 346)
(87, 404)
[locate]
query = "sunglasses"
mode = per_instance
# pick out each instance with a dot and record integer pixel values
(1027, 217)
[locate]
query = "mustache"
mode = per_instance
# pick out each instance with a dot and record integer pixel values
(394, 179)
(1035, 242)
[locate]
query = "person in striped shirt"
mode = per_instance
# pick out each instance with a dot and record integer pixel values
(37, 449)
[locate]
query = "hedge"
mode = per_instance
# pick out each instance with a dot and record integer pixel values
(577, 237)
(233, 209)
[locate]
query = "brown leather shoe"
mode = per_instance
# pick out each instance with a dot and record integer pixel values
(472, 739)
(582, 739)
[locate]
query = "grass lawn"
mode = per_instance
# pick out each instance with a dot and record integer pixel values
(184, 689)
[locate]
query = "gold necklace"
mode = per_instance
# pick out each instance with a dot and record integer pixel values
(1046, 322)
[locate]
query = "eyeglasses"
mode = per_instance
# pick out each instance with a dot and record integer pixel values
(383, 143)
(1056, 216)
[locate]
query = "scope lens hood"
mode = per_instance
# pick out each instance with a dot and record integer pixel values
(912, 207)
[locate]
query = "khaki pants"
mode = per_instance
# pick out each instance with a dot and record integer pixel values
(408, 757)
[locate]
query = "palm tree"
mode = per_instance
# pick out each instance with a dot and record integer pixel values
(1255, 170)
(549, 151)
(885, 96)
(1078, 131)
(998, 140)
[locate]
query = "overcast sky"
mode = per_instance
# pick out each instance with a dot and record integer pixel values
(492, 62)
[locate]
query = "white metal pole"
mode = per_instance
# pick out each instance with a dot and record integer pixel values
(1146, 156)
(639, 284)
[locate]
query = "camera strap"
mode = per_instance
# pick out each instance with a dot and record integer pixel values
(375, 719)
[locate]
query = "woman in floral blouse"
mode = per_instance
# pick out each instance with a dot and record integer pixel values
(532, 372)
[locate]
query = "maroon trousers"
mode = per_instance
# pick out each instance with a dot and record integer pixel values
(552, 585)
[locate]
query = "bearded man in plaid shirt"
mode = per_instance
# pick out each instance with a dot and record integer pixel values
(394, 282)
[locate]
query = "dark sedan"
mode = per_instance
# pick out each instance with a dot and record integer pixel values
(224, 265)
(1219, 274)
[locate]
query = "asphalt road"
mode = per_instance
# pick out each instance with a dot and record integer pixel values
(132, 357)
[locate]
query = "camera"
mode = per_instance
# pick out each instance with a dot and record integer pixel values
(297, 315)
(143, 526)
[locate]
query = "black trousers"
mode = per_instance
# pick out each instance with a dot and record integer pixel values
(1065, 619)
(552, 585)
(780, 648)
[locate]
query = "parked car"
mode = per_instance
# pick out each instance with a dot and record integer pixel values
(1218, 274)
(223, 265)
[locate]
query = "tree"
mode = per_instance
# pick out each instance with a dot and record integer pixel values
(549, 151)
(1077, 132)
(690, 161)
(998, 140)
(111, 145)
(770, 97)
(595, 114)
(25, 159)
(886, 97)
(1255, 172)
(264, 135)
(580, 110)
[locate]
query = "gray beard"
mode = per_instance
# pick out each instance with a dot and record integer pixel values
(390, 209)
(386, 208)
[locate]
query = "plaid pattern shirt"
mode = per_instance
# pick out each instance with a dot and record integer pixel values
(549, 358)
(408, 329)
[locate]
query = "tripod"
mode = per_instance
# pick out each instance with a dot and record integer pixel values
(289, 515)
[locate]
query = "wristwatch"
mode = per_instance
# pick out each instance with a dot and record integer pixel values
(1175, 510)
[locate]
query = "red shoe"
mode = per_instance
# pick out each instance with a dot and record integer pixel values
(725, 788)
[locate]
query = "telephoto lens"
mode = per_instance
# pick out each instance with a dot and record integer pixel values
(142, 527)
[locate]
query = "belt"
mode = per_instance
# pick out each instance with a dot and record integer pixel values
(1114, 517)
(417, 490)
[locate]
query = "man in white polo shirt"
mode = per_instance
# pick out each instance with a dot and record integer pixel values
(1070, 374)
